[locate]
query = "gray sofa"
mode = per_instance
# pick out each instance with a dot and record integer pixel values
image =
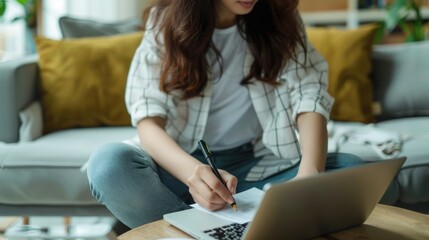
(41, 175)
(400, 77)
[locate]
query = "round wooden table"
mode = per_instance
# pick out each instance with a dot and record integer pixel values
(385, 222)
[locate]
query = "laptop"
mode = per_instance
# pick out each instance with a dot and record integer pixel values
(303, 208)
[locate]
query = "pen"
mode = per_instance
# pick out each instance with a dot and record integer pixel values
(209, 158)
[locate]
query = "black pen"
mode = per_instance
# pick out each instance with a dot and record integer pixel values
(209, 158)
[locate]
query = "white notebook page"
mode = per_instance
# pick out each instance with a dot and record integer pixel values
(247, 203)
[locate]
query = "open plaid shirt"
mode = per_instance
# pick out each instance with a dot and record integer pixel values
(303, 89)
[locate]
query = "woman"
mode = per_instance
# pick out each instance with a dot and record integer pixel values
(239, 74)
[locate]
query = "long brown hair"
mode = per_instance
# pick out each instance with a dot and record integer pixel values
(272, 31)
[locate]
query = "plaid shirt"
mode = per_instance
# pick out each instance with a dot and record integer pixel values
(303, 89)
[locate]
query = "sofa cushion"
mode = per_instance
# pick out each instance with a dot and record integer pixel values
(31, 119)
(348, 53)
(47, 171)
(83, 80)
(77, 28)
(401, 79)
(414, 176)
(412, 182)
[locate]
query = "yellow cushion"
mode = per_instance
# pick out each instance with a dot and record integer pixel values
(83, 80)
(348, 53)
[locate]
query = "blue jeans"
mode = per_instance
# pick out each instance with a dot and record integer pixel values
(138, 191)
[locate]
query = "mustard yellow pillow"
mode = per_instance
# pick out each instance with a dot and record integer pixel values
(83, 80)
(348, 53)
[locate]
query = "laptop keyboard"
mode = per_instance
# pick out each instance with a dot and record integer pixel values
(227, 232)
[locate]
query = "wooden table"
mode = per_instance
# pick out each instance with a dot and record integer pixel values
(385, 222)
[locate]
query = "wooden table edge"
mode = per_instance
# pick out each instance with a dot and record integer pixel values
(397, 222)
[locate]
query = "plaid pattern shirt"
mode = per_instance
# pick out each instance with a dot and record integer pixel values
(303, 89)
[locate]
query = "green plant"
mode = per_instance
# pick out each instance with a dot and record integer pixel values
(29, 7)
(399, 15)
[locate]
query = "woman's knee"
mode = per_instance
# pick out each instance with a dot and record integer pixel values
(111, 161)
(342, 160)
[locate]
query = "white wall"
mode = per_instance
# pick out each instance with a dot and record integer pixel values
(12, 34)
(100, 10)
(105, 10)
(52, 10)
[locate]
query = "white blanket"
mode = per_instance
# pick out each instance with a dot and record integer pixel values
(386, 143)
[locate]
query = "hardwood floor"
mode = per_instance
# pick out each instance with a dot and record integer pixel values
(6, 222)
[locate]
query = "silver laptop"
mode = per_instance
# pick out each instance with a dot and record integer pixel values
(303, 208)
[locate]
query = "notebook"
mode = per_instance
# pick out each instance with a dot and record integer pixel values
(302, 208)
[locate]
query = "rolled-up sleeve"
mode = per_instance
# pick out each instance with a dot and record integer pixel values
(143, 96)
(307, 80)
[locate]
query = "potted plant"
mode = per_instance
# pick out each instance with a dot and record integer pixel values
(29, 7)
(29, 16)
(403, 15)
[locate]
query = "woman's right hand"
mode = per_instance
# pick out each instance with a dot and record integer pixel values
(208, 191)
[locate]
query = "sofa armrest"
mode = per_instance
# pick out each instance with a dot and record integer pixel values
(18, 88)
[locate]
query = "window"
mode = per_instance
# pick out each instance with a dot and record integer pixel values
(12, 33)
(17, 40)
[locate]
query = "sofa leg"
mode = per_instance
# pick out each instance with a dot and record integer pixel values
(26, 220)
(67, 220)
(67, 223)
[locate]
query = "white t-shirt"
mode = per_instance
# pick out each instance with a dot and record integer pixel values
(232, 119)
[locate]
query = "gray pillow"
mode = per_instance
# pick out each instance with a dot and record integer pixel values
(401, 79)
(78, 28)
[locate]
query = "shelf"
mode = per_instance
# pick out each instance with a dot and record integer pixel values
(327, 17)
(377, 15)
(351, 18)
